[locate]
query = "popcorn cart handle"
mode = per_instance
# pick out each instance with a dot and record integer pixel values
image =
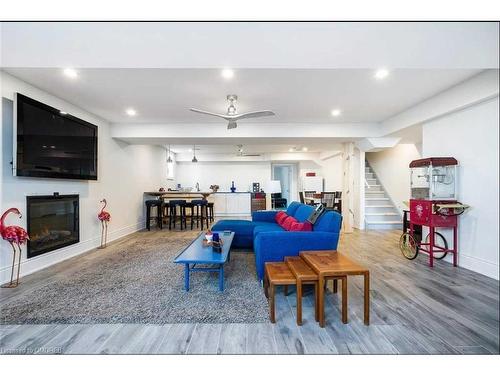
(450, 209)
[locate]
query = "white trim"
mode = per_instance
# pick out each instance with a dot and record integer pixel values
(480, 88)
(475, 264)
(29, 266)
(14, 137)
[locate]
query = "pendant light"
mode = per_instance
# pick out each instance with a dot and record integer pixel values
(169, 159)
(194, 155)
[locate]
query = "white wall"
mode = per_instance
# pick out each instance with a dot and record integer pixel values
(359, 189)
(222, 173)
(392, 168)
(124, 173)
(245, 173)
(330, 169)
(471, 136)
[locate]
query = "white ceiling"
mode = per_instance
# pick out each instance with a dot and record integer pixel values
(295, 95)
(309, 45)
(300, 70)
(311, 146)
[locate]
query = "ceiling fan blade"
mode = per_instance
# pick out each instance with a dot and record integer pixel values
(254, 114)
(225, 117)
(231, 125)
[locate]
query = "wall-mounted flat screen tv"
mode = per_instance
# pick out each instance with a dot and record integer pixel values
(51, 143)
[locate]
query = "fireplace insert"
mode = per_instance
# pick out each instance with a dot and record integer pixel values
(52, 222)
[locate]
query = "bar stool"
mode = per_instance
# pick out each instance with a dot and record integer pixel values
(173, 204)
(159, 216)
(201, 208)
(186, 214)
(210, 206)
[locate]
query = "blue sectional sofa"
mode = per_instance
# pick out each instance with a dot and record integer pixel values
(272, 243)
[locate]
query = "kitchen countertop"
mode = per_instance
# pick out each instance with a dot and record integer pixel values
(166, 192)
(230, 192)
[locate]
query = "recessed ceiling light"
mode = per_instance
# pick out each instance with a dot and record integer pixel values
(190, 150)
(63, 113)
(130, 111)
(304, 149)
(291, 149)
(336, 112)
(227, 73)
(381, 73)
(70, 73)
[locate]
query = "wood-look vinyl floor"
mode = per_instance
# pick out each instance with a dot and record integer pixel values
(414, 310)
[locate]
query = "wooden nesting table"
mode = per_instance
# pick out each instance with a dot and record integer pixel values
(294, 271)
(333, 265)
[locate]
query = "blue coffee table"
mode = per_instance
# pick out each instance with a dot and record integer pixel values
(196, 254)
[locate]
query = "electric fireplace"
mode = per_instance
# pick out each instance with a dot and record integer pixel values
(52, 222)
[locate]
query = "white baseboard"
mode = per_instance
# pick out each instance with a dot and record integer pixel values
(477, 265)
(28, 266)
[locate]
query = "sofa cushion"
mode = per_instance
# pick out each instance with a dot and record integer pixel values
(292, 208)
(241, 227)
(330, 221)
(267, 227)
(287, 224)
(303, 212)
(301, 227)
(280, 217)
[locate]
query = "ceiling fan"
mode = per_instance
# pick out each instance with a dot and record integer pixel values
(241, 153)
(232, 115)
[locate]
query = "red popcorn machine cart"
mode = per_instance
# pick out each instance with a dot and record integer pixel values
(433, 204)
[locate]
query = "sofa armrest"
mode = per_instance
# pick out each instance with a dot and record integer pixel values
(274, 246)
(269, 216)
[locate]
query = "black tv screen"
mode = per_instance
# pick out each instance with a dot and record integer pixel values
(53, 144)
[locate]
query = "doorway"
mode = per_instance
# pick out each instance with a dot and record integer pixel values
(285, 173)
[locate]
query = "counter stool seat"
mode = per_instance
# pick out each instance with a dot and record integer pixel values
(210, 206)
(199, 213)
(150, 203)
(172, 205)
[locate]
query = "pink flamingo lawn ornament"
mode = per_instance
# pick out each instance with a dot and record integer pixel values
(13, 235)
(104, 217)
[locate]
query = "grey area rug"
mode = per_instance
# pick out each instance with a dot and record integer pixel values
(135, 281)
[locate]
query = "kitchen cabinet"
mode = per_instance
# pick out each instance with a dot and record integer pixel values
(231, 204)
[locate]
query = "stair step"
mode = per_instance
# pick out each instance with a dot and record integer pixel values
(384, 222)
(384, 225)
(377, 199)
(381, 214)
(380, 206)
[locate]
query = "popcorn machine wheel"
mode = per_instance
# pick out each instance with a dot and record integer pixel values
(433, 205)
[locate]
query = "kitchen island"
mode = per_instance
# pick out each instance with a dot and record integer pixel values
(225, 202)
(232, 204)
(188, 195)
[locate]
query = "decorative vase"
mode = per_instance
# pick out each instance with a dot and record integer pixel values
(233, 188)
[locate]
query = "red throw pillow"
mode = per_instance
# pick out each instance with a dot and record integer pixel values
(289, 221)
(301, 227)
(280, 217)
